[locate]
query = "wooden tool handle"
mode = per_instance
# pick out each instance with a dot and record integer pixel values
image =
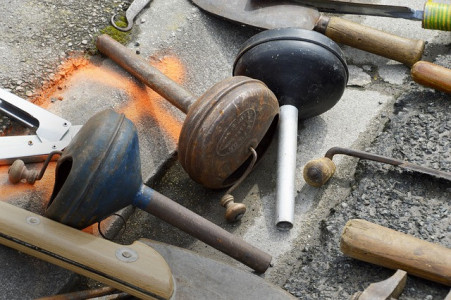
(372, 40)
(395, 250)
(432, 75)
(437, 16)
(136, 269)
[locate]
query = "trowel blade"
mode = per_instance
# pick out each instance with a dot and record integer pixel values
(262, 14)
(198, 277)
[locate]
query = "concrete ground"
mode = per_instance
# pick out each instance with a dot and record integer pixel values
(382, 110)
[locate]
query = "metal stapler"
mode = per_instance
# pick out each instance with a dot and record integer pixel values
(52, 133)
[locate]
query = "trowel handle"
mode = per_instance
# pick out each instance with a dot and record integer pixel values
(179, 216)
(395, 250)
(365, 38)
(136, 269)
(432, 75)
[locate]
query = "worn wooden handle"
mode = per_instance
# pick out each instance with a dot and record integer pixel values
(395, 250)
(432, 75)
(375, 41)
(136, 269)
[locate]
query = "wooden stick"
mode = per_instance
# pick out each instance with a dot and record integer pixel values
(395, 250)
(382, 43)
(432, 75)
(136, 269)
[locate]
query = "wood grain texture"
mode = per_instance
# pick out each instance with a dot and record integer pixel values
(395, 250)
(432, 75)
(365, 38)
(147, 277)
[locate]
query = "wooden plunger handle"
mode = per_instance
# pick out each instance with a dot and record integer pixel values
(365, 38)
(395, 250)
(136, 269)
(432, 75)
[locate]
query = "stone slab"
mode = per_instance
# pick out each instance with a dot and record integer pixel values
(200, 50)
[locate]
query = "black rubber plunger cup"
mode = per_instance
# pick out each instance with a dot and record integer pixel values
(100, 173)
(307, 72)
(221, 127)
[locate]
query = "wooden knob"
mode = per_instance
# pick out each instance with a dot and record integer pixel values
(19, 171)
(234, 211)
(317, 172)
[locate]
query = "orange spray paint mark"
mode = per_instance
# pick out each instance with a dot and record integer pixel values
(143, 103)
(147, 102)
(54, 87)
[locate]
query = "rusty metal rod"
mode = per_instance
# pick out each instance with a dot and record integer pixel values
(141, 69)
(318, 171)
(179, 216)
(81, 295)
(387, 160)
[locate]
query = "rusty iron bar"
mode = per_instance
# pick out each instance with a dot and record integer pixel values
(81, 295)
(387, 160)
(179, 216)
(141, 69)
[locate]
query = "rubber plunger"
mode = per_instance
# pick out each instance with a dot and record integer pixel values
(99, 173)
(220, 127)
(308, 73)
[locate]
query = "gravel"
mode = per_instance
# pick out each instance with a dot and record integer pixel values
(416, 204)
(34, 42)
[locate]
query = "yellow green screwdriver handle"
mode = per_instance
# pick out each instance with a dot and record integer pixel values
(437, 16)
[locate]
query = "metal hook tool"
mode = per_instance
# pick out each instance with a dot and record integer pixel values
(134, 9)
(52, 132)
(318, 171)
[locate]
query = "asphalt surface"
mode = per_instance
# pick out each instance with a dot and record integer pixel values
(407, 202)
(382, 111)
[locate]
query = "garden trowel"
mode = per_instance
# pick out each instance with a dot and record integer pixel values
(270, 14)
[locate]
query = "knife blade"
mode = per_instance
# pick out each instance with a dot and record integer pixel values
(357, 8)
(270, 14)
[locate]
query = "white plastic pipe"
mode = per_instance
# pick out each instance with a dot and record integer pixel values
(286, 167)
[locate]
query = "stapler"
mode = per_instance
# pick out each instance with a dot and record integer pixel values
(52, 133)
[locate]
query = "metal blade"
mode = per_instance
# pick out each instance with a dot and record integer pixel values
(356, 8)
(198, 277)
(262, 14)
